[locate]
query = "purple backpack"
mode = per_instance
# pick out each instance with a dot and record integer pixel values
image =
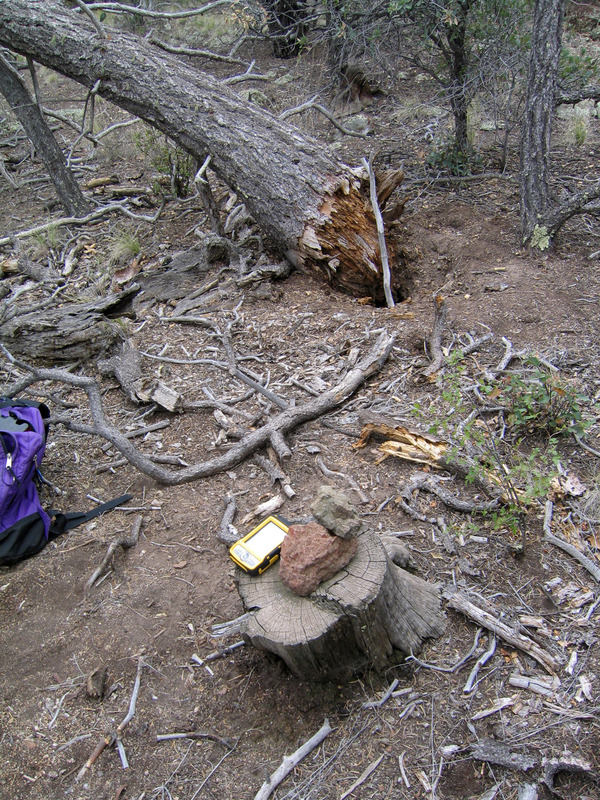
(25, 528)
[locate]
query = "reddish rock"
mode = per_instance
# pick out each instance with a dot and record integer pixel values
(311, 555)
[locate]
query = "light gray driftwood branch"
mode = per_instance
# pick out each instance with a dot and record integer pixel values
(289, 762)
(272, 432)
(459, 602)
(585, 562)
(94, 215)
(326, 113)
(385, 261)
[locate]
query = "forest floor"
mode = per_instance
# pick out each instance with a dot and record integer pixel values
(161, 598)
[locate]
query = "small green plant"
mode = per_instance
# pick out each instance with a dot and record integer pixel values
(541, 402)
(498, 451)
(449, 158)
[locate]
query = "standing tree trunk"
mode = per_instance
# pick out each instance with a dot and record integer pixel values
(546, 37)
(312, 206)
(29, 115)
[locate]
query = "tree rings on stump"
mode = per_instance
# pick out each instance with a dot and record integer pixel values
(353, 621)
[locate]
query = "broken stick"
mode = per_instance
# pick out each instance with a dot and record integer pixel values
(116, 736)
(289, 762)
(459, 602)
(125, 540)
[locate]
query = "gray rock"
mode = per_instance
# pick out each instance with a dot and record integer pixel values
(335, 512)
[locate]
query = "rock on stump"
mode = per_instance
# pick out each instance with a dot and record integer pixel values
(353, 621)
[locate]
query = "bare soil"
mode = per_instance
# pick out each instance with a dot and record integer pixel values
(162, 597)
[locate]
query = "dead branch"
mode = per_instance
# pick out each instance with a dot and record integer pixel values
(110, 738)
(125, 540)
(435, 342)
(461, 603)
(123, 8)
(191, 51)
(363, 777)
(195, 735)
(271, 432)
(481, 661)
(98, 213)
(310, 104)
(385, 262)
(431, 484)
(92, 17)
(289, 762)
(585, 562)
(275, 473)
(227, 533)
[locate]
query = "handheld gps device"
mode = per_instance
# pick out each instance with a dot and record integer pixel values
(260, 548)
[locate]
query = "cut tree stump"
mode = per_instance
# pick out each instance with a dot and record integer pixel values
(353, 621)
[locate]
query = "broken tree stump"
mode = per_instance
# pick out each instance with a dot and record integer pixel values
(353, 621)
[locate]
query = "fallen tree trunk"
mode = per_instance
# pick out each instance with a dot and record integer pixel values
(313, 207)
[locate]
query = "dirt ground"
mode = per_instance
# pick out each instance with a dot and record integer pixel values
(160, 599)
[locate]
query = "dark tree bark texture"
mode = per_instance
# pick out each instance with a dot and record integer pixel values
(310, 204)
(546, 37)
(29, 115)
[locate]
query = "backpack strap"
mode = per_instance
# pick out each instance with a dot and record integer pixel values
(66, 522)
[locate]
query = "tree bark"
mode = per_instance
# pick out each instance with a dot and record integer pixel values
(311, 205)
(29, 115)
(353, 621)
(539, 111)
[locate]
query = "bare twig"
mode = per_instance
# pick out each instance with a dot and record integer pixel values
(363, 777)
(310, 104)
(92, 17)
(98, 213)
(481, 661)
(289, 762)
(123, 8)
(192, 51)
(585, 562)
(125, 541)
(110, 738)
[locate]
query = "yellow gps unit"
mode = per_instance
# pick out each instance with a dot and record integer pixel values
(256, 551)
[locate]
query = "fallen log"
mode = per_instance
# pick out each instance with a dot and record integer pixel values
(65, 333)
(312, 206)
(356, 620)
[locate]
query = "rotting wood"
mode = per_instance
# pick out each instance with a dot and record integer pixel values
(272, 432)
(436, 353)
(355, 620)
(66, 333)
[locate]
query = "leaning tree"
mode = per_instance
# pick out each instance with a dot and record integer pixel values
(312, 206)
